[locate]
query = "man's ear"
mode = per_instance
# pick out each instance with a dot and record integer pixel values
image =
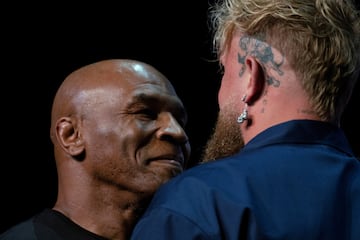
(257, 79)
(69, 137)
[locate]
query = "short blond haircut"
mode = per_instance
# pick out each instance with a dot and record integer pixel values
(320, 39)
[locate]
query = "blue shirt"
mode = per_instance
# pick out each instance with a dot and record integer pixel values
(296, 180)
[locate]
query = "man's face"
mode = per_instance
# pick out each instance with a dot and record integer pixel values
(227, 137)
(134, 134)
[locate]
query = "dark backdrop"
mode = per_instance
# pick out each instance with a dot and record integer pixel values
(42, 44)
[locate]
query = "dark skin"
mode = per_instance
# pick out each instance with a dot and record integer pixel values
(118, 133)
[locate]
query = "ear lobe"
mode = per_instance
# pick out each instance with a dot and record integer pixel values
(69, 136)
(257, 80)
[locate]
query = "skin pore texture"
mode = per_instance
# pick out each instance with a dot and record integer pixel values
(118, 133)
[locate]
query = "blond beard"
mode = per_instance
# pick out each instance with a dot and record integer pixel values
(226, 138)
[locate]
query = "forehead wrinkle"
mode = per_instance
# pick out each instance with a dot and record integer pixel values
(92, 99)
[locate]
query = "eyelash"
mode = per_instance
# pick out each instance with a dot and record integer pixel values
(221, 70)
(150, 114)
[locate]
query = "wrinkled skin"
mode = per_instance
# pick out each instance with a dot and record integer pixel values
(118, 133)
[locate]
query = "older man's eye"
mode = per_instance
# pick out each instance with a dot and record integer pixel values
(147, 114)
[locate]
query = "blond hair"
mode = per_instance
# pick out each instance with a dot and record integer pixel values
(320, 39)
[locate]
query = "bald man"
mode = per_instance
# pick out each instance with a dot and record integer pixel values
(118, 132)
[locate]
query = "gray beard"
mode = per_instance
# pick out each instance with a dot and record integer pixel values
(226, 138)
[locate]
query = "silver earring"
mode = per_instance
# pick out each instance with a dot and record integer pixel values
(244, 115)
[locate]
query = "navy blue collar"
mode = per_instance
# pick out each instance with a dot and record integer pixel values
(302, 131)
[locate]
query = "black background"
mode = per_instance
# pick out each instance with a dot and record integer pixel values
(42, 44)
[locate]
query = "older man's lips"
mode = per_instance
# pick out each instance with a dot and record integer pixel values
(168, 159)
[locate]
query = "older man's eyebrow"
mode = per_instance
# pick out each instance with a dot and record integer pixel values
(145, 99)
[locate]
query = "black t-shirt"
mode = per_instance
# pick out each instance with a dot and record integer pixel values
(48, 225)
